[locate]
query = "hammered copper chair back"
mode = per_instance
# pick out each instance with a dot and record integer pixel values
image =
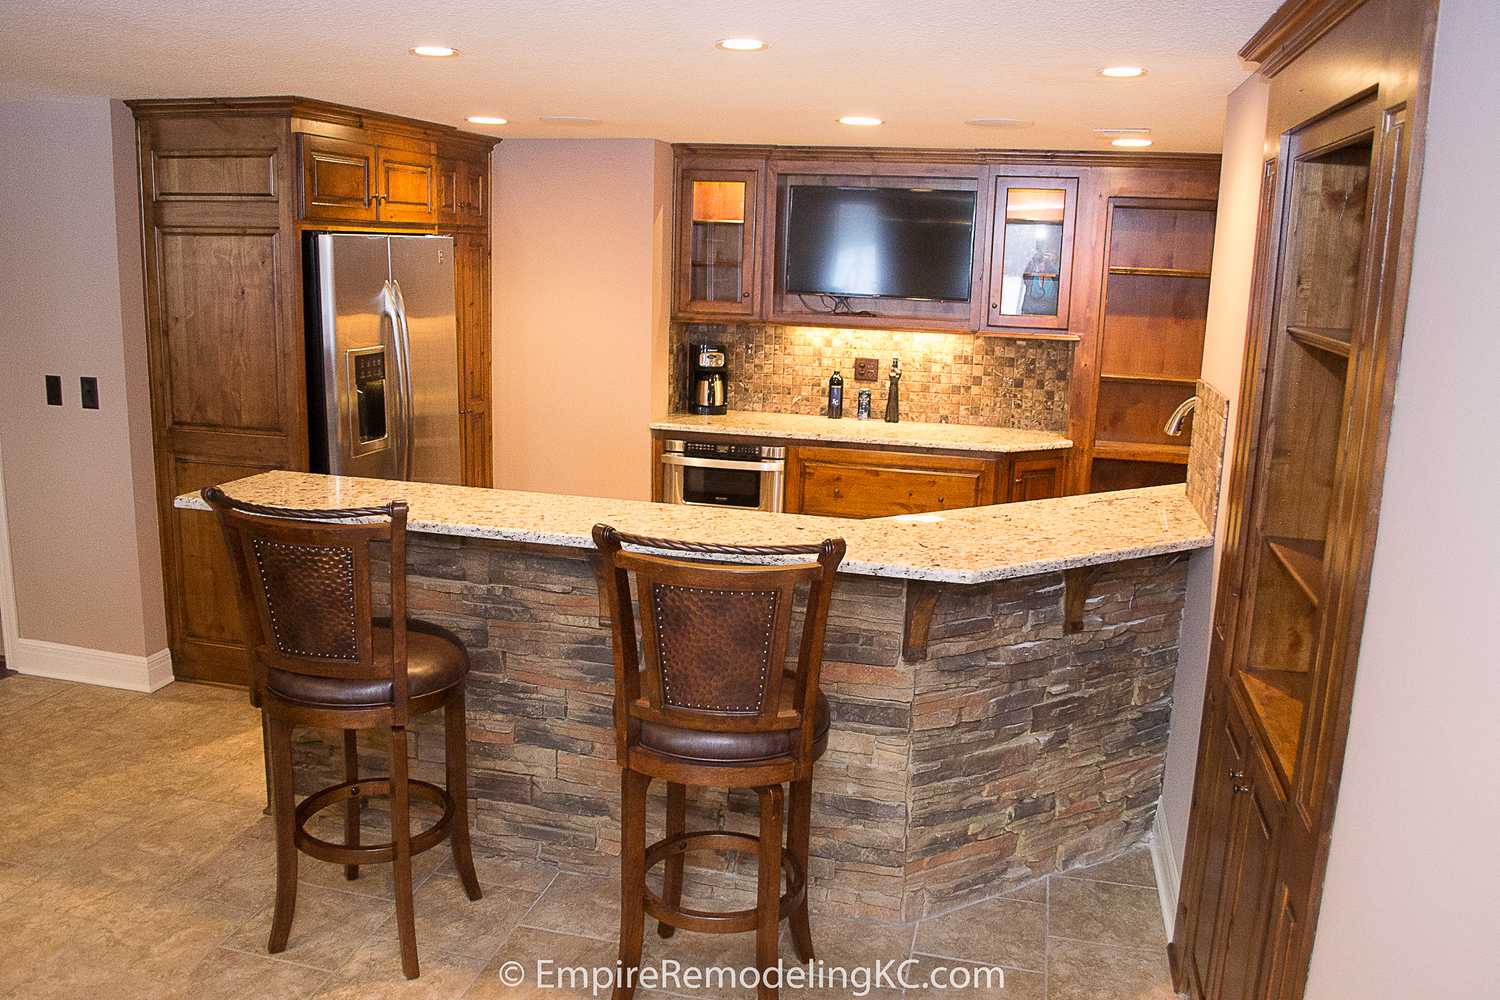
(715, 635)
(304, 586)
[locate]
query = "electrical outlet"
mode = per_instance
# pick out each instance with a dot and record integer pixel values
(867, 369)
(54, 390)
(88, 392)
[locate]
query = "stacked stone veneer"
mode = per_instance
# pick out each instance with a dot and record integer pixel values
(1009, 751)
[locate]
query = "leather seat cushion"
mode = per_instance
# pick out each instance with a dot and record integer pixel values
(435, 661)
(700, 747)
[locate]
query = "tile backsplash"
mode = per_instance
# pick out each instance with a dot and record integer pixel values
(945, 377)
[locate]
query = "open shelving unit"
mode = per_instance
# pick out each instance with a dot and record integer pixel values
(1303, 426)
(1158, 254)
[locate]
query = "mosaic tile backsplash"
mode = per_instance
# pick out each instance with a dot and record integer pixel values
(945, 377)
(1206, 453)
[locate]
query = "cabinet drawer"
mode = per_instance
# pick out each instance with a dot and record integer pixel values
(840, 482)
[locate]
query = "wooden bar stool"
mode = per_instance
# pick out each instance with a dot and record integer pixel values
(319, 658)
(715, 707)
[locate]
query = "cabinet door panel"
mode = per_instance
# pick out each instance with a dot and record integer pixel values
(1253, 836)
(1031, 252)
(718, 242)
(1036, 478)
(1224, 759)
(848, 482)
(408, 186)
(448, 184)
(473, 192)
(338, 180)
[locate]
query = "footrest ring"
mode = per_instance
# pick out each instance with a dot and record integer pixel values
(719, 921)
(366, 854)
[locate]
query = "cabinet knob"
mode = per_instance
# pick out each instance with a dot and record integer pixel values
(744, 295)
(1236, 775)
(1241, 789)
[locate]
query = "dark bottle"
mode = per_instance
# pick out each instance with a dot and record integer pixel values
(836, 396)
(893, 394)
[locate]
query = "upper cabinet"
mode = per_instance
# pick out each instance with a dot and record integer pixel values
(338, 180)
(718, 242)
(387, 179)
(1031, 252)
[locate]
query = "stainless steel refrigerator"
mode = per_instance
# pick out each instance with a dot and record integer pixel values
(383, 397)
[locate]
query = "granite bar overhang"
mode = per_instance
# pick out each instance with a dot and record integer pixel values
(1000, 680)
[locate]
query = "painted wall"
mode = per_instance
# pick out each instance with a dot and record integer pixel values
(1223, 353)
(1411, 903)
(79, 483)
(581, 305)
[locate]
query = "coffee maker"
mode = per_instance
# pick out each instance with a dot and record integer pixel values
(708, 380)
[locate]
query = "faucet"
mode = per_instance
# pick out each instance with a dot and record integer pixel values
(1174, 422)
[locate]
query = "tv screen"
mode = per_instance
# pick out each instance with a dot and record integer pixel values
(908, 243)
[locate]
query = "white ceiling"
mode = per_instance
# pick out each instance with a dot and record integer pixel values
(648, 68)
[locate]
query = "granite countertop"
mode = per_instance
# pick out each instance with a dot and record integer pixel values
(964, 546)
(847, 430)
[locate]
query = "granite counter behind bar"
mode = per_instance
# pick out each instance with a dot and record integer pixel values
(1008, 748)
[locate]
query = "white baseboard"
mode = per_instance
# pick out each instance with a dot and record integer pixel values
(1168, 875)
(60, 661)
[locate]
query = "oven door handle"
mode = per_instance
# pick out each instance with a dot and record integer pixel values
(775, 465)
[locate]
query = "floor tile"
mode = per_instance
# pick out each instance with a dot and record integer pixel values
(450, 922)
(851, 945)
(579, 904)
(1007, 932)
(1106, 913)
(530, 946)
(329, 926)
(935, 979)
(1077, 970)
(1134, 867)
(234, 975)
(503, 871)
(374, 972)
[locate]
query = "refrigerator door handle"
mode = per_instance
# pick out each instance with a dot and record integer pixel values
(392, 316)
(408, 402)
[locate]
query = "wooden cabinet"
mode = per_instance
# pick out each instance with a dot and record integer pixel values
(718, 241)
(462, 191)
(1031, 252)
(854, 482)
(1038, 477)
(228, 189)
(1324, 337)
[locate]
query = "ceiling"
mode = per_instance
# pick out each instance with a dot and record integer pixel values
(648, 68)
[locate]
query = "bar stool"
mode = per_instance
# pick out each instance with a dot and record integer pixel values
(319, 658)
(715, 707)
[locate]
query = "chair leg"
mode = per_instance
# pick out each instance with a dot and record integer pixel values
(351, 807)
(632, 878)
(406, 920)
(799, 837)
(456, 738)
(265, 752)
(672, 876)
(768, 888)
(283, 801)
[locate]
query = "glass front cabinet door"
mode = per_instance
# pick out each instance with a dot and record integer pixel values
(718, 242)
(1031, 253)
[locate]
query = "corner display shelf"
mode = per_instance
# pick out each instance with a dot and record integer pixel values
(1158, 253)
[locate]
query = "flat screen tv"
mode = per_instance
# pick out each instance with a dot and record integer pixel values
(907, 243)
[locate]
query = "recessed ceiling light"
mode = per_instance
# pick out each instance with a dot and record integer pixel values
(569, 120)
(486, 120)
(860, 120)
(999, 122)
(1122, 72)
(434, 51)
(742, 45)
(1131, 141)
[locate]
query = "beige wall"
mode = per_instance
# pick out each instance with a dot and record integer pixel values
(79, 484)
(581, 301)
(1411, 903)
(1223, 352)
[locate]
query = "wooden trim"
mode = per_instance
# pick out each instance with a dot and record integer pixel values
(1295, 26)
(921, 603)
(976, 155)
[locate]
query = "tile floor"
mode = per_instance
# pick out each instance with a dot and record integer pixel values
(135, 863)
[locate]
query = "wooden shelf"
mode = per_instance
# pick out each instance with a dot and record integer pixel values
(1148, 377)
(1141, 451)
(1159, 272)
(1277, 699)
(1332, 340)
(1302, 558)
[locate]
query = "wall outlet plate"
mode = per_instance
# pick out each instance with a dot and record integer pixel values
(867, 369)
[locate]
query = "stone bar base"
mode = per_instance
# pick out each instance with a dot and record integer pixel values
(1007, 750)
